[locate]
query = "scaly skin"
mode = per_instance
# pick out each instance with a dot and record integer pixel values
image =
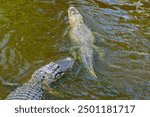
(33, 90)
(82, 36)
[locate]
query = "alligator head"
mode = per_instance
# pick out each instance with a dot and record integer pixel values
(52, 71)
(74, 16)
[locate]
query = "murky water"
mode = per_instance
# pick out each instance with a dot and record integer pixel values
(35, 32)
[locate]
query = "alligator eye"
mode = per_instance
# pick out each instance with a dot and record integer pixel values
(56, 67)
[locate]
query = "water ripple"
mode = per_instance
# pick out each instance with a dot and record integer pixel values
(34, 33)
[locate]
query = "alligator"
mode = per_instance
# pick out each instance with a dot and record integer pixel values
(82, 36)
(33, 89)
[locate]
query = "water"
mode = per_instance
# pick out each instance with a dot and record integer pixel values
(35, 32)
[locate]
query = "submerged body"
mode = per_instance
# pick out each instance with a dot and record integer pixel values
(33, 90)
(83, 38)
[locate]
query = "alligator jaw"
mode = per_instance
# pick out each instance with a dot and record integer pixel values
(52, 71)
(65, 64)
(62, 66)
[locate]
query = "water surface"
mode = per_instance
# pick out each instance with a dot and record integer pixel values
(35, 32)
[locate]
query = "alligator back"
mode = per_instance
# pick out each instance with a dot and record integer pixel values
(26, 92)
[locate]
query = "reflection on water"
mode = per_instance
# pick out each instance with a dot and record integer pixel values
(33, 33)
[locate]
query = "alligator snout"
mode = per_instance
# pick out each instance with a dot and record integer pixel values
(65, 64)
(73, 11)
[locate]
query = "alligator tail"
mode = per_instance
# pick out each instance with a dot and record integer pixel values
(92, 73)
(87, 59)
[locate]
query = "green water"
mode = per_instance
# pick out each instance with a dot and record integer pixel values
(35, 32)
